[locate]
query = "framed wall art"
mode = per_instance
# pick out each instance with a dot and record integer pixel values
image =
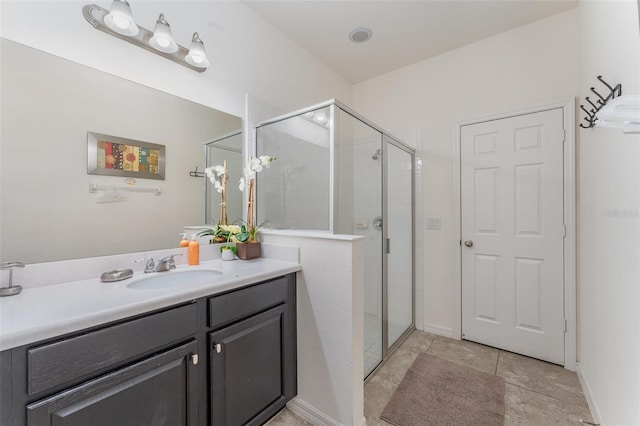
(113, 156)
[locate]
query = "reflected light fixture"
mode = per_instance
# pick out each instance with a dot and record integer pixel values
(119, 22)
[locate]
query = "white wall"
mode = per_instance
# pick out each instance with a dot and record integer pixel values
(330, 326)
(247, 54)
(609, 230)
(522, 67)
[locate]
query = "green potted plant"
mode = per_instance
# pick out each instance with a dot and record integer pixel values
(248, 247)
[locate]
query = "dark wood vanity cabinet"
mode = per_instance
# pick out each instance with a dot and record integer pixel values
(155, 391)
(252, 353)
(228, 359)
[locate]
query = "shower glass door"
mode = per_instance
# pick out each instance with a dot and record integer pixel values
(399, 237)
(359, 212)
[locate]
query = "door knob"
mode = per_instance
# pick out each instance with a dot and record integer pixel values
(468, 243)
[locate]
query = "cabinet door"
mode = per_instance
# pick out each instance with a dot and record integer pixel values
(160, 390)
(248, 382)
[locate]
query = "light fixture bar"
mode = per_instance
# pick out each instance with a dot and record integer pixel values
(95, 14)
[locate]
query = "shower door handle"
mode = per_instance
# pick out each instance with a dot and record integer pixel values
(388, 246)
(377, 223)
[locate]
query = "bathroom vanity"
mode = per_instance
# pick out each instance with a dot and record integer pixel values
(220, 354)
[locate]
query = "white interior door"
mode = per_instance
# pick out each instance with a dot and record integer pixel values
(513, 234)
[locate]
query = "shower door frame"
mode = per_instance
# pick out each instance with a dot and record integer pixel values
(387, 138)
(386, 349)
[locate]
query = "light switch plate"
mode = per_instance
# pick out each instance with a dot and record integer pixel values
(433, 223)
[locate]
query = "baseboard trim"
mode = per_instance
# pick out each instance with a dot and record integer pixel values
(311, 414)
(586, 389)
(439, 330)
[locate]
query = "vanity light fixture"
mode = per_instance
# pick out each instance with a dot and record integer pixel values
(197, 56)
(119, 22)
(162, 39)
(120, 19)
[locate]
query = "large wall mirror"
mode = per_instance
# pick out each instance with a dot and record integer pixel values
(47, 212)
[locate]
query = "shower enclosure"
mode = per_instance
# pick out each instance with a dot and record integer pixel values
(338, 172)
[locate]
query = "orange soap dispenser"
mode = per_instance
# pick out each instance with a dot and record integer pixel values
(184, 242)
(194, 251)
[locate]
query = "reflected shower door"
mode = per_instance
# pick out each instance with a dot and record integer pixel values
(399, 233)
(227, 148)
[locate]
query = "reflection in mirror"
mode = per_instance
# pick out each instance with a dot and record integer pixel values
(46, 210)
(226, 148)
(295, 194)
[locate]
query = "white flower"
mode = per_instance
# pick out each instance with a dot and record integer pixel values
(255, 164)
(211, 174)
(214, 173)
(266, 160)
(249, 173)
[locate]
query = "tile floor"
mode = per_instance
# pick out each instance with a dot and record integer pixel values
(536, 392)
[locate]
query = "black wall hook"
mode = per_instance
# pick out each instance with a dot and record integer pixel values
(590, 119)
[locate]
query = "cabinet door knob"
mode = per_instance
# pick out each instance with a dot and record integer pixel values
(217, 347)
(194, 359)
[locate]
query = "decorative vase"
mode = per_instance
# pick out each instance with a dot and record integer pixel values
(248, 251)
(227, 255)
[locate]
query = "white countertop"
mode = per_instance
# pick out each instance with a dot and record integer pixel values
(53, 310)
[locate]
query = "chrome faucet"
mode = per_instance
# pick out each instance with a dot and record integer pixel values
(150, 266)
(167, 263)
(164, 264)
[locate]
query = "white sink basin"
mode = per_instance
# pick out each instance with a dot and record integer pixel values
(160, 280)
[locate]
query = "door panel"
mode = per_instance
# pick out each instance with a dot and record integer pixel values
(247, 377)
(513, 234)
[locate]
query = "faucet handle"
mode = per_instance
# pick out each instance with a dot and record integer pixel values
(150, 266)
(169, 260)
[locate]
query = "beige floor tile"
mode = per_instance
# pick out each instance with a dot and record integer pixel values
(396, 366)
(525, 407)
(417, 342)
(466, 353)
(542, 377)
(536, 393)
(377, 393)
(286, 418)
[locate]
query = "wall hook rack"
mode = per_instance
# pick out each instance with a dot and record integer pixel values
(590, 119)
(196, 174)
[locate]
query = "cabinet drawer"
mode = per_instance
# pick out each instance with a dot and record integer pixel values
(155, 391)
(78, 357)
(240, 304)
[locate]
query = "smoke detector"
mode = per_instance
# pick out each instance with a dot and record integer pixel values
(360, 35)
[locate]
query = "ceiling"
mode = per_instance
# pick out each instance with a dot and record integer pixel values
(404, 32)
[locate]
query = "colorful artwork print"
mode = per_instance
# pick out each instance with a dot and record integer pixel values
(114, 156)
(129, 158)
